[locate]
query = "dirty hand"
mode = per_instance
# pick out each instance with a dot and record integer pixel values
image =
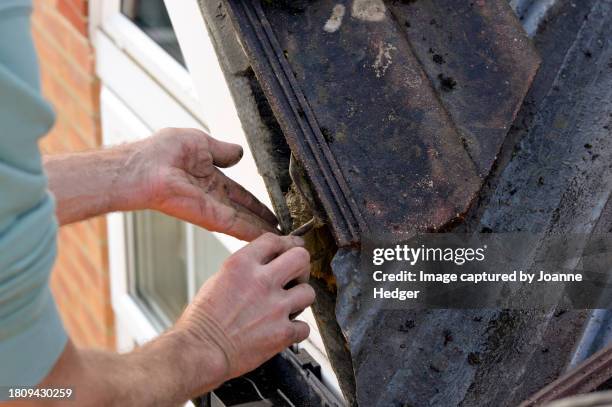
(238, 320)
(180, 170)
(243, 311)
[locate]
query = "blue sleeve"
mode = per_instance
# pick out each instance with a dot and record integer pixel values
(31, 332)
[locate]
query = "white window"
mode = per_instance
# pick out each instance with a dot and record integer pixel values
(159, 69)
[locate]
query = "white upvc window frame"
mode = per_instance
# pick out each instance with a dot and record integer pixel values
(196, 97)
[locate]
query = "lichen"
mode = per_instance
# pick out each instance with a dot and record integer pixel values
(368, 10)
(335, 20)
(319, 242)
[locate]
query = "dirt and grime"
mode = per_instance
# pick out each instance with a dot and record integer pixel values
(482, 344)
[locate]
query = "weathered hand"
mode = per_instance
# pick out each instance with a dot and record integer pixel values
(244, 310)
(239, 318)
(179, 169)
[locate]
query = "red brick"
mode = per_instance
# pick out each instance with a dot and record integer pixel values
(89, 312)
(71, 115)
(72, 316)
(80, 279)
(80, 6)
(72, 15)
(82, 87)
(57, 28)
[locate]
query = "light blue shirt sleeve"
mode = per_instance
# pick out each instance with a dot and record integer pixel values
(31, 332)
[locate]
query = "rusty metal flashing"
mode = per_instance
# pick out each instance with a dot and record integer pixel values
(538, 199)
(584, 378)
(398, 119)
(526, 349)
(297, 119)
(395, 146)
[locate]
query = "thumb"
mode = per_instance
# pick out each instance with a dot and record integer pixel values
(224, 154)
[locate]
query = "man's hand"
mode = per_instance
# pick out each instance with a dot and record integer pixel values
(179, 167)
(175, 171)
(239, 319)
(244, 310)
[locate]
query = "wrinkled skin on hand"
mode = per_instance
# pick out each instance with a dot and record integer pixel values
(241, 317)
(180, 169)
(246, 309)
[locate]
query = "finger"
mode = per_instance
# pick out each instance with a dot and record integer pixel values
(301, 331)
(224, 217)
(240, 223)
(217, 188)
(299, 298)
(224, 154)
(294, 264)
(241, 196)
(267, 247)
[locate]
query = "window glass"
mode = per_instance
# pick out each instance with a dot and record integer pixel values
(152, 17)
(209, 254)
(159, 272)
(159, 277)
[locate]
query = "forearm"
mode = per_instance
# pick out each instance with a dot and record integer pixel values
(175, 171)
(157, 374)
(93, 183)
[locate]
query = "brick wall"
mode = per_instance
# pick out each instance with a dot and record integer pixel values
(80, 280)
